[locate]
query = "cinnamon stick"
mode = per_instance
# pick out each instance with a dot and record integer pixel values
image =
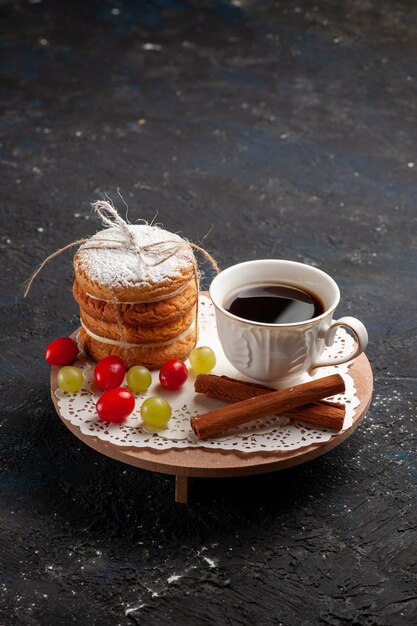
(321, 413)
(232, 415)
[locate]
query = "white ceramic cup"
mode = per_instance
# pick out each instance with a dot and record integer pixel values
(281, 353)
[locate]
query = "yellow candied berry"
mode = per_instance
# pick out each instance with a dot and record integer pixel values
(202, 360)
(139, 379)
(155, 412)
(70, 379)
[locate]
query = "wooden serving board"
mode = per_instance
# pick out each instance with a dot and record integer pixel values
(190, 463)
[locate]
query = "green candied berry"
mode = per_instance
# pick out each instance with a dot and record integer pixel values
(155, 412)
(139, 379)
(70, 379)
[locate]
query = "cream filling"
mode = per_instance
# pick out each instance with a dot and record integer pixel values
(170, 295)
(126, 344)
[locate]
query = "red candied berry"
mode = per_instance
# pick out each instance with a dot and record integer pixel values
(109, 373)
(173, 374)
(115, 405)
(62, 351)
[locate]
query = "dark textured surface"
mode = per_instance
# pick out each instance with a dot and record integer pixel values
(292, 128)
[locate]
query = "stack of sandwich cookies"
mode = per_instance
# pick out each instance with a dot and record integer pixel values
(137, 296)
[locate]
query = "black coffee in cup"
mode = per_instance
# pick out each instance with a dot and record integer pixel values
(274, 303)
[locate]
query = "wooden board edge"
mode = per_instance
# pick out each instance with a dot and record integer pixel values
(248, 464)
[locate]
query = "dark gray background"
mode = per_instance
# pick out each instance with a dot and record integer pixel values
(290, 127)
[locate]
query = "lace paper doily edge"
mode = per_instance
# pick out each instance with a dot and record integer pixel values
(180, 445)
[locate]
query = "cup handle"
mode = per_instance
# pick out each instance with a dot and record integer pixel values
(361, 336)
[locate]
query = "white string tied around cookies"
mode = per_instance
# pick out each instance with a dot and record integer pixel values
(152, 254)
(129, 252)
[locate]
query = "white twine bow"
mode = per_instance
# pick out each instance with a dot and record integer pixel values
(150, 254)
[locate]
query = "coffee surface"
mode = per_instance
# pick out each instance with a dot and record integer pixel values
(273, 304)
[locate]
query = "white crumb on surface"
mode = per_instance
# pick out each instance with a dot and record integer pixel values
(210, 562)
(173, 578)
(112, 264)
(134, 608)
(152, 46)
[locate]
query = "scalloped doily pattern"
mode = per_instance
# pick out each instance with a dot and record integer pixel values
(273, 433)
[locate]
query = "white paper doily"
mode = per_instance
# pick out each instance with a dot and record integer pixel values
(273, 433)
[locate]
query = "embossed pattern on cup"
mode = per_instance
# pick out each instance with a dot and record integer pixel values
(269, 354)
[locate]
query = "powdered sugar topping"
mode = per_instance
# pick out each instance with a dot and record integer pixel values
(111, 260)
